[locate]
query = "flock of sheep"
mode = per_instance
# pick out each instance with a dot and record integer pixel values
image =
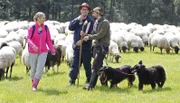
(123, 38)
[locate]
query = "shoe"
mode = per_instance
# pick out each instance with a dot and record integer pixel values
(33, 89)
(87, 88)
(35, 84)
(71, 83)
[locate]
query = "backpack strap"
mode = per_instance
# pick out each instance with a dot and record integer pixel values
(46, 28)
(33, 27)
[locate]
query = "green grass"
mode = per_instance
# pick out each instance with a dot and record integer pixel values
(53, 88)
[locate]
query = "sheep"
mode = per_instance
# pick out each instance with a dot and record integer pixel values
(161, 42)
(53, 59)
(63, 46)
(140, 43)
(173, 40)
(3, 33)
(119, 38)
(69, 39)
(141, 33)
(59, 37)
(13, 36)
(132, 42)
(150, 27)
(53, 32)
(17, 46)
(69, 54)
(11, 26)
(114, 51)
(25, 58)
(7, 59)
(135, 42)
(23, 25)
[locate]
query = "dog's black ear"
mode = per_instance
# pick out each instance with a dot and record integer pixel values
(140, 62)
(143, 66)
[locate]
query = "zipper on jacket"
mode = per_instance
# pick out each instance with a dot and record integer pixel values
(40, 41)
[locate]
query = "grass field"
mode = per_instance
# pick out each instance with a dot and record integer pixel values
(53, 88)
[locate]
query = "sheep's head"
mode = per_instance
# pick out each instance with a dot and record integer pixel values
(142, 48)
(117, 56)
(135, 49)
(168, 50)
(3, 45)
(176, 49)
(124, 48)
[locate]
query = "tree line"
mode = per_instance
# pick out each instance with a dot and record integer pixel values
(139, 11)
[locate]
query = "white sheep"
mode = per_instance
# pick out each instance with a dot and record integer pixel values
(7, 59)
(17, 46)
(69, 54)
(25, 58)
(132, 41)
(140, 43)
(119, 38)
(114, 51)
(3, 33)
(173, 41)
(161, 42)
(13, 36)
(62, 44)
(59, 38)
(143, 33)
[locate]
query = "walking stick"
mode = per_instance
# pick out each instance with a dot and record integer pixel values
(80, 53)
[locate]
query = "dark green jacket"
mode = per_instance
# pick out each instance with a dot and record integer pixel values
(103, 33)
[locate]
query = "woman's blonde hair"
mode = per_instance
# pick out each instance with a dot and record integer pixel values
(38, 15)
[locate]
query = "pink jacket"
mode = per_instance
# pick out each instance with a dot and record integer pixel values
(39, 40)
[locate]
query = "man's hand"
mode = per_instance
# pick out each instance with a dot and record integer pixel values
(78, 43)
(83, 33)
(79, 17)
(86, 38)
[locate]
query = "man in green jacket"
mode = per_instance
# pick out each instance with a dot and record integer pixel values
(102, 40)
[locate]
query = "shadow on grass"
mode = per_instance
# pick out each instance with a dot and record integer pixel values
(119, 89)
(13, 78)
(52, 91)
(54, 74)
(157, 90)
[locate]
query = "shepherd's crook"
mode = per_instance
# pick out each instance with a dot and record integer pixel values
(80, 53)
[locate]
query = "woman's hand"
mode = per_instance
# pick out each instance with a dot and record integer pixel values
(53, 53)
(35, 48)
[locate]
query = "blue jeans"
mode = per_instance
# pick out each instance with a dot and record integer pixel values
(85, 60)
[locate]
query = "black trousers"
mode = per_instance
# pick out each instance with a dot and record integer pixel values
(99, 54)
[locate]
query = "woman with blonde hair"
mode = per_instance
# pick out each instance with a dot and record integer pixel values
(38, 37)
